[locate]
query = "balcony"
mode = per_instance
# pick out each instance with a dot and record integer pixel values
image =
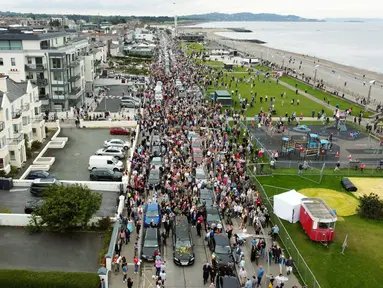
(26, 107)
(74, 63)
(74, 78)
(40, 82)
(75, 93)
(38, 118)
(16, 114)
(35, 67)
(2, 126)
(16, 140)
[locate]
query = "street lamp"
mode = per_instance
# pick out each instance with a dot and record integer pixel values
(315, 75)
(372, 82)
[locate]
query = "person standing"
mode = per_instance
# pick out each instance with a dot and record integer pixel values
(138, 227)
(213, 274)
(136, 262)
(129, 283)
(205, 272)
(199, 228)
(163, 277)
(124, 273)
(289, 265)
(261, 271)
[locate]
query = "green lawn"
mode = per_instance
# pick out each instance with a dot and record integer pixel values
(270, 88)
(334, 100)
(361, 266)
(192, 47)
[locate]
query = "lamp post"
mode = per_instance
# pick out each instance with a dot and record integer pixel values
(372, 82)
(315, 75)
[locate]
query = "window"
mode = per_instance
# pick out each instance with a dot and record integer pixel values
(12, 155)
(56, 63)
(57, 76)
(13, 61)
(34, 130)
(1, 62)
(29, 60)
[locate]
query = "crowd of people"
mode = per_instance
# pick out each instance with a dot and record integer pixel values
(226, 154)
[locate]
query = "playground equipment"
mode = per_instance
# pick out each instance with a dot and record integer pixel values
(309, 146)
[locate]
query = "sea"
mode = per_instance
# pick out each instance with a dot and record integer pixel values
(356, 44)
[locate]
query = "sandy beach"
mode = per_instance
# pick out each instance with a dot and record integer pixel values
(334, 75)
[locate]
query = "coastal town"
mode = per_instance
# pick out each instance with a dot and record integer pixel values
(152, 154)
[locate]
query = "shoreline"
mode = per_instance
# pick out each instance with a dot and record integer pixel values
(357, 86)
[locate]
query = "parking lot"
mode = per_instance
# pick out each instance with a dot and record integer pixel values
(16, 198)
(72, 161)
(69, 252)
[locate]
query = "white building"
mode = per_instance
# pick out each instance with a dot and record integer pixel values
(20, 119)
(54, 61)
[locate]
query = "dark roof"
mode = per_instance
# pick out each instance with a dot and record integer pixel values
(221, 240)
(229, 281)
(222, 93)
(15, 89)
(212, 211)
(151, 233)
(18, 35)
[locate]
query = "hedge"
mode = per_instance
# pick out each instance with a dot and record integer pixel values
(32, 279)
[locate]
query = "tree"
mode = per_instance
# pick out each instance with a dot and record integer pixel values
(370, 206)
(66, 207)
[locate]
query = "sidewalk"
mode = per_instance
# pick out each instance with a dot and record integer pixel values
(251, 267)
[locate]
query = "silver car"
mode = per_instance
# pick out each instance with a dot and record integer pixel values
(117, 143)
(116, 152)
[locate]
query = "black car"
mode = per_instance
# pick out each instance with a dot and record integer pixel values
(183, 248)
(150, 244)
(103, 174)
(220, 245)
(40, 184)
(31, 206)
(36, 174)
(227, 282)
(212, 216)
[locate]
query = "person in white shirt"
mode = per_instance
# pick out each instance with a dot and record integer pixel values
(163, 276)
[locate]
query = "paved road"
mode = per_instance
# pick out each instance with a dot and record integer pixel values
(16, 198)
(69, 252)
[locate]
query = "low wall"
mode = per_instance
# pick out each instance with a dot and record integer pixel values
(21, 220)
(113, 241)
(92, 185)
(107, 124)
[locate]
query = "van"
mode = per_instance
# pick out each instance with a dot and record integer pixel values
(108, 162)
(40, 184)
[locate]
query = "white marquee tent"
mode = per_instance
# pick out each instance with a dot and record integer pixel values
(287, 205)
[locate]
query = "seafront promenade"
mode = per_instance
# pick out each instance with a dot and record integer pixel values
(333, 74)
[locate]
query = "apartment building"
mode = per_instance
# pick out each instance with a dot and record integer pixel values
(53, 61)
(20, 118)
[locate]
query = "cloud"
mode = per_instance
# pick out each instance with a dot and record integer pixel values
(303, 8)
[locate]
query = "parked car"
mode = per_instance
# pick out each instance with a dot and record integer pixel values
(152, 212)
(130, 104)
(117, 143)
(40, 184)
(108, 162)
(212, 216)
(220, 245)
(116, 152)
(154, 178)
(150, 244)
(39, 174)
(31, 206)
(104, 174)
(119, 131)
(156, 151)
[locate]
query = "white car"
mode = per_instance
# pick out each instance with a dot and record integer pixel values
(117, 143)
(116, 152)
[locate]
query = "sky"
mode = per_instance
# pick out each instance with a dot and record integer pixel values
(303, 8)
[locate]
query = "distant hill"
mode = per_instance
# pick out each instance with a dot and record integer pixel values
(245, 16)
(354, 20)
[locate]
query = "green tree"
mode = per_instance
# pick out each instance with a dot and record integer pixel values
(370, 206)
(66, 207)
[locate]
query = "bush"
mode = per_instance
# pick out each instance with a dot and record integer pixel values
(31, 279)
(36, 145)
(371, 206)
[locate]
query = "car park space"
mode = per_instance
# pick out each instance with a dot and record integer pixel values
(72, 161)
(69, 252)
(16, 199)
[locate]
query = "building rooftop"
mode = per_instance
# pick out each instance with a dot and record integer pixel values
(14, 90)
(222, 93)
(19, 35)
